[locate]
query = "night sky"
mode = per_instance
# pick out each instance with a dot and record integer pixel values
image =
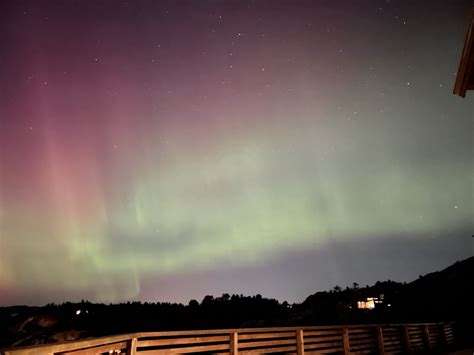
(165, 150)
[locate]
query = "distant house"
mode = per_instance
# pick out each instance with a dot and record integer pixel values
(465, 73)
(371, 302)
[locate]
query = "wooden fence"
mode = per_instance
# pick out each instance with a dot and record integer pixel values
(350, 339)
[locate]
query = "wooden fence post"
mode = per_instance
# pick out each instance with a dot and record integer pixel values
(234, 343)
(379, 333)
(299, 342)
(442, 335)
(426, 332)
(132, 346)
(406, 338)
(345, 340)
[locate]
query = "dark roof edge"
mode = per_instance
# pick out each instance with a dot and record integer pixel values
(465, 69)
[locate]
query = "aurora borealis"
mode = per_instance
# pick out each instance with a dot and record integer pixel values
(165, 150)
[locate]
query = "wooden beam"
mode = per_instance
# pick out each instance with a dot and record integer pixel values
(345, 341)
(379, 333)
(132, 346)
(406, 338)
(234, 343)
(299, 342)
(465, 68)
(115, 348)
(426, 335)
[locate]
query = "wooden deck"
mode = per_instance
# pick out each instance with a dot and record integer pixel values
(350, 339)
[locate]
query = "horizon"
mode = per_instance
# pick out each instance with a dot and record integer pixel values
(170, 150)
(200, 299)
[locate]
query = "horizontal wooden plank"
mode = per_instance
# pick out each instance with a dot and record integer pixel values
(230, 330)
(286, 350)
(323, 332)
(186, 340)
(361, 331)
(98, 349)
(391, 333)
(391, 338)
(266, 335)
(364, 337)
(388, 327)
(324, 345)
(363, 351)
(355, 326)
(393, 350)
(393, 346)
(363, 348)
(365, 341)
(328, 336)
(326, 351)
(321, 339)
(67, 346)
(265, 343)
(388, 343)
(362, 341)
(188, 349)
(351, 339)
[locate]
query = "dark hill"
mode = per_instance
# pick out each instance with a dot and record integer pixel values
(446, 294)
(441, 295)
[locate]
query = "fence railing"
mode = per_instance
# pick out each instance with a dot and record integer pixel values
(375, 339)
